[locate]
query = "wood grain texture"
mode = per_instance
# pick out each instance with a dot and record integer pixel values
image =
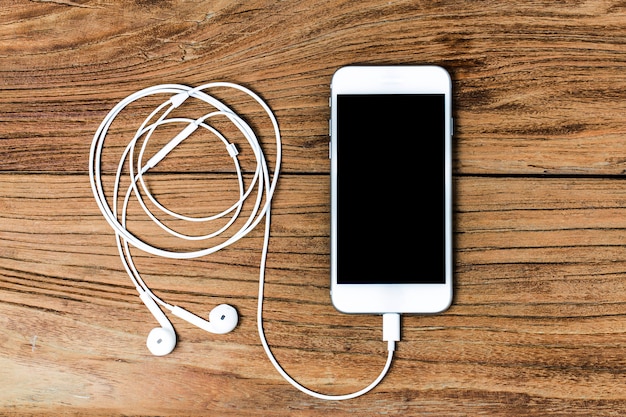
(537, 324)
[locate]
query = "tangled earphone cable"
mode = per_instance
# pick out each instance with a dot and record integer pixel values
(262, 181)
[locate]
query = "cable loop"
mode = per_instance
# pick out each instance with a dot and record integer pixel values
(137, 168)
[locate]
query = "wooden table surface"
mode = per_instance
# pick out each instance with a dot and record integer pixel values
(538, 323)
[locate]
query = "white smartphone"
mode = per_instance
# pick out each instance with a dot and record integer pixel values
(391, 189)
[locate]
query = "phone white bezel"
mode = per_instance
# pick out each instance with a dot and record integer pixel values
(392, 298)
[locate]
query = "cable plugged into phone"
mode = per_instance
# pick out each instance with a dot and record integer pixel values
(391, 334)
(391, 330)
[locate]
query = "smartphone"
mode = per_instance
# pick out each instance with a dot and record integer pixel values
(391, 189)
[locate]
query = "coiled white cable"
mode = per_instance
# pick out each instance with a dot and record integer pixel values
(137, 168)
(262, 181)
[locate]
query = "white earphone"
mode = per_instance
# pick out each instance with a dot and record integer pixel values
(162, 340)
(223, 318)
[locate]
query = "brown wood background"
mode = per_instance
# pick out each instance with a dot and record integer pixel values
(539, 317)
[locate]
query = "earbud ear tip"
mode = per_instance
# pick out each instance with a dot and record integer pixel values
(161, 341)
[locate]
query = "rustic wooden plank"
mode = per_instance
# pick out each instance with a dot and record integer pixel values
(536, 322)
(544, 83)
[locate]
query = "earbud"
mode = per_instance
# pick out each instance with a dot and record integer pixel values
(222, 319)
(161, 340)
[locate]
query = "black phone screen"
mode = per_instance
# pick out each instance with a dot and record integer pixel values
(390, 188)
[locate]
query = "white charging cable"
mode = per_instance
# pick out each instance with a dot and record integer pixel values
(261, 181)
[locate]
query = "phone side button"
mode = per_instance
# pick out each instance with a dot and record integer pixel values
(452, 126)
(330, 152)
